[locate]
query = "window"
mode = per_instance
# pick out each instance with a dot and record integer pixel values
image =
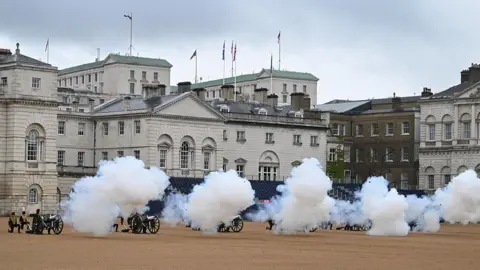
(132, 74)
(314, 140)
(132, 88)
(83, 79)
(224, 167)
(89, 78)
(389, 129)
(33, 146)
(136, 153)
(347, 176)
(431, 181)
(405, 128)
(224, 109)
(81, 110)
(389, 154)
(405, 154)
(70, 81)
(269, 137)
(81, 129)
(284, 98)
(121, 127)
(431, 132)
(96, 76)
(35, 83)
(61, 128)
(294, 88)
(120, 153)
(95, 89)
(359, 130)
(346, 153)
(105, 129)
(404, 180)
(304, 89)
(239, 89)
(374, 129)
(466, 130)
(102, 101)
(332, 154)
(61, 157)
(225, 137)
(262, 111)
(144, 75)
(137, 126)
(104, 155)
(447, 132)
(267, 173)
(341, 130)
(4, 81)
(33, 195)
(241, 170)
(184, 152)
(240, 136)
(284, 88)
(206, 160)
(447, 179)
(373, 155)
(155, 76)
(163, 158)
(297, 139)
(335, 129)
(76, 80)
(80, 159)
(357, 155)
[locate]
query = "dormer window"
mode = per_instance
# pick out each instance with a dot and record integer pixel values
(224, 109)
(262, 111)
(299, 114)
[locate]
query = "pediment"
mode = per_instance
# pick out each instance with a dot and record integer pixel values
(263, 74)
(470, 92)
(225, 161)
(240, 161)
(164, 145)
(188, 105)
(208, 147)
(296, 163)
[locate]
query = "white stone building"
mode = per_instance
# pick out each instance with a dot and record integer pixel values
(283, 84)
(46, 148)
(449, 142)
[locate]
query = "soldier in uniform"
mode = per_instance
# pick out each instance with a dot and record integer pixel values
(12, 223)
(24, 220)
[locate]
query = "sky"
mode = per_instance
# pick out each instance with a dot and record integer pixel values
(358, 49)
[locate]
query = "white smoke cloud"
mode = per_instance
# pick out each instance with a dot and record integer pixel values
(119, 187)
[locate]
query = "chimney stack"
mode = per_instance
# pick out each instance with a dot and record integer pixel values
(153, 90)
(98, 55)
(426, 92)
(200, 92)
(272, 99)
(91, 103)
(464, 76)
(184, 87)
(17, 51)
(261, 94)
(307, 102)
(228, 92)
(396, 102)
(75, 106)
(296, 101)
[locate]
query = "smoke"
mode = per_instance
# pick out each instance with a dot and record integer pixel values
(222, 196)
(303, 203)
(120, 187)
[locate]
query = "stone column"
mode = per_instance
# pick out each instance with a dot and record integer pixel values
(473, 129)
(455, 129)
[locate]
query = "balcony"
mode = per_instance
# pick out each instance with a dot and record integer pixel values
(275, 119)
(76, 170)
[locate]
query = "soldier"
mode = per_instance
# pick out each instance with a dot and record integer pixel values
(12, 223)
(270, 224)
(24, 220)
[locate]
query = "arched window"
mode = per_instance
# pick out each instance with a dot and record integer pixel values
(33, 195)
(33, 146)
(184, 150)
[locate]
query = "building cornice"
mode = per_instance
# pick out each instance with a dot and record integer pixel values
(21, 101)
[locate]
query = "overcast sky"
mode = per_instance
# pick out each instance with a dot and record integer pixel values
(358, 49)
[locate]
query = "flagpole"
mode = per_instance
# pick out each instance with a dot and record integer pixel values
(271, 74)
(48, 51)
(223, 56)
(196, 55)
(235, 81)
(279, 51)
(233, 57)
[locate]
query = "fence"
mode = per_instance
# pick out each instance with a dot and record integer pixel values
(18, 203)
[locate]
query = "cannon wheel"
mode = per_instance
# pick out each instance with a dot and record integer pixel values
(237, 225)
(37, 224)
(137, 224)
(222, 228)
(58, 226)
(154, 225)
(313, 229)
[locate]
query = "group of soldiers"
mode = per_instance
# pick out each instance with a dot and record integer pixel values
(325, 226)
(19, 223)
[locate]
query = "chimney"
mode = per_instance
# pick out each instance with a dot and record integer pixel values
(307, 102)
(91, 103)
(184, 87)
(126, 103)
(98, 55)
(5, 51)
(261, 94)
(150, 90)
(228, 92)
(17, 51)
(162, 89)
(474, 73)
(200, 92)
(296, 100)
(464, 76)
(75, 106)
(396, 102)
(426, 92)
(272, 99)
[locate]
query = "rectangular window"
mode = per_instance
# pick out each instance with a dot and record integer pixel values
(346, 153)
(448, 132)
(334, 129)
(389, 154)
(155, 76)
(76, 80)
(206, 160)
(347, 176)
(35, 83)
(431, 132)
(83, 79)
(405, 128)
(136, 153)
(61, 157)
(404, 181)
(447, 179)
(104, 155)
(105, 129)
(81, 129)
(359, 130)
(313, 140)
(304, 89)
(268, 137)
(373, 155)
(297, 139)
(240, 136)
(89, 78)
(357, 155)
(132, 88)
(405, 154)
(431, 181)
(61, 127)
(120, 153)
(132, 74)
(332, 154)
(374, 129)
(4, 81)
(163, 158)
(284, 98)
(466, 130)
(294, 88)
(284, 88)
(121, 127)
(144, 75)
(96, 76)
(80, 159)
(241, 170)
(137, 126)
(389, 129)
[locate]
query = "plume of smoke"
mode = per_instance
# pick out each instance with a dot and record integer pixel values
(384, 208)
(120, 186)
(422, 214)
(221, 197)
(175, 208)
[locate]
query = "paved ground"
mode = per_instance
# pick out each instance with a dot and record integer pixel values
(455, 247)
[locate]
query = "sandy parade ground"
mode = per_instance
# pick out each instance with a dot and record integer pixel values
(454, 247)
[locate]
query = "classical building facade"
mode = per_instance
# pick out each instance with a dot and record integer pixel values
(48, 144)
(450, 131)
(279, 82)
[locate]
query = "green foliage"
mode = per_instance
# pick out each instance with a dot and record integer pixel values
(336, 169)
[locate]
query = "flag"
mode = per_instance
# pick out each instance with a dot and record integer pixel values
(271, 64)
(46, 45)
(278, 37)
(128, 16)
(235, 53)
(223, 52)
(194, 55)
(232, 49)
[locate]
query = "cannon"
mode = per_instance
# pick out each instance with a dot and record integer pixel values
(272, 226)
(141, 223)
(235, 225)
(47, 222)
